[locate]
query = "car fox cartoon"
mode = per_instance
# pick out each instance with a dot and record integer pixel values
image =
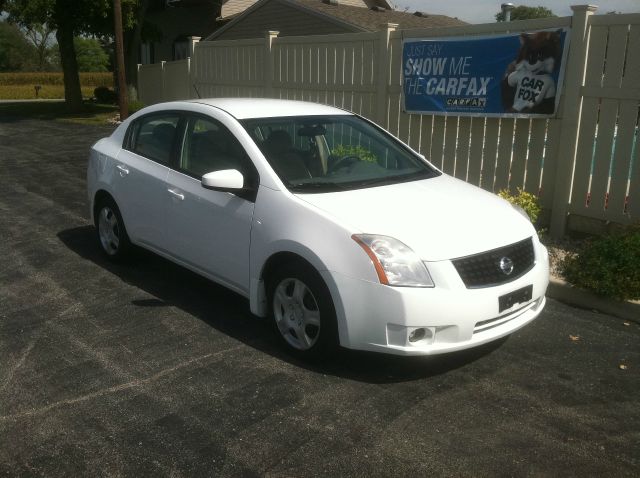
(528, 85)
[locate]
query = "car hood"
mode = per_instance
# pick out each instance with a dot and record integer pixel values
(439, 218)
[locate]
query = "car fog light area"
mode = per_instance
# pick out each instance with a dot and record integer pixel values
(419, 334)
(403, 336)
(395, 263)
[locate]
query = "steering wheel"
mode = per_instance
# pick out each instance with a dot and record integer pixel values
(342, 163)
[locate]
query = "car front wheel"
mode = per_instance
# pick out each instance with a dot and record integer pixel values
(302, 310)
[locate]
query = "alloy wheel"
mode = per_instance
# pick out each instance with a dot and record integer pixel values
(296, 313)
(109, 230)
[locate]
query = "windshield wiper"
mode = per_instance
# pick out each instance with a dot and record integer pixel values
(387, 180)
(316, 186)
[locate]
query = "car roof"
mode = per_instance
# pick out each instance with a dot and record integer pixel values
(245, 108)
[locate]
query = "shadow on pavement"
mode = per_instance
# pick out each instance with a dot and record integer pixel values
(228, 312)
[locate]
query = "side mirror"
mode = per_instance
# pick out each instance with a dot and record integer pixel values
(227, 180)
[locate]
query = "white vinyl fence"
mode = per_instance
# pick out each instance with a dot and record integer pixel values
(583, 162)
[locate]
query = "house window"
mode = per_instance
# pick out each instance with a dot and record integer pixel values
(146, 53)
(180, 48)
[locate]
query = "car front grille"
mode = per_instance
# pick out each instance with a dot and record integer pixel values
(483, 270)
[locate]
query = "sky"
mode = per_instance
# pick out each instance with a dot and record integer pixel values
(483, 11)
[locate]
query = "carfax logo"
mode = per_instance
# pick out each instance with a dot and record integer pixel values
(467, 102)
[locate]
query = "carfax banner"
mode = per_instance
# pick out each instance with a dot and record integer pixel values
(505, 75)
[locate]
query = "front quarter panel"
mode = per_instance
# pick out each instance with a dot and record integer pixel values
(284, 223)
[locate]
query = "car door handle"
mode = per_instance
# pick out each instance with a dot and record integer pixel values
(176, 194)
(123, 170)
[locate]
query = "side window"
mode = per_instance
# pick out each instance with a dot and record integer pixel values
(153, 136)
(209, 146)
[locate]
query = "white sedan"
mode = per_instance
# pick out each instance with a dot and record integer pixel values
(332, 227)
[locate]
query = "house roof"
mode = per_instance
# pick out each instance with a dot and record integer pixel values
(231, 8)
(370, 20)
(357, 19)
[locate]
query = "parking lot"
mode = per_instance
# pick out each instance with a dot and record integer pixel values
(148, 369)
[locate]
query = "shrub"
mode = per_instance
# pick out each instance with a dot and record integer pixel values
(105, 95)
(342, 150)
(527, 201)
(135, 106)
(608, 265)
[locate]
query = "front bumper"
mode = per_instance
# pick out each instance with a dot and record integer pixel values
(376, 317)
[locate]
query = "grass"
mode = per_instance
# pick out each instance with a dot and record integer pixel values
(91, 113)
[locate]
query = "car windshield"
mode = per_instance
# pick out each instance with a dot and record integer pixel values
(333, 153)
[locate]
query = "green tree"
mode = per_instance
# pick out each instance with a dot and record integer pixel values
(16, 53)
(135, 28)
(72, 18)
(41, 36)
(90, 55)
(522, 12)
(68, 18)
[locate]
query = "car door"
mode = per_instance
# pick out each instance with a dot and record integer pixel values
(208, 230)
(142, 167)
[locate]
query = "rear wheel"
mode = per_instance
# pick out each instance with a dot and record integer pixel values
(110, 229)
(302, 310)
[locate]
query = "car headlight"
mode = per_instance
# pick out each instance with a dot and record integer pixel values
(395, 263)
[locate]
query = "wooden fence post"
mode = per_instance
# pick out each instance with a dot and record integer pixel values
(190, 89)
(193, 89)
(571, 113)
(382, 94)
(192, 45)
(163, 90)
(138, 94)
(270, 36)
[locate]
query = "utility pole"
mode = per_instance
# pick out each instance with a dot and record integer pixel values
(122, 82)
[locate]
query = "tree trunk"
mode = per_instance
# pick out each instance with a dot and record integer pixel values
(72, 91)
(132, 42)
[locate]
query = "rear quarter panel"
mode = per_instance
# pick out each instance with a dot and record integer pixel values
(100, 168)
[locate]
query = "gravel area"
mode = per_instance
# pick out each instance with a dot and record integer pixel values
(558, 250)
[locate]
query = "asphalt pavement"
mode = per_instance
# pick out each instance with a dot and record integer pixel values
(146, 369)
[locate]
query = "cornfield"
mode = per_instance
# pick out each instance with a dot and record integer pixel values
(22, 86)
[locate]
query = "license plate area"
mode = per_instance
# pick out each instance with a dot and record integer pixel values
(519, 296)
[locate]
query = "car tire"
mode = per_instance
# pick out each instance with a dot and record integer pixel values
(302, 311)
(110, 231)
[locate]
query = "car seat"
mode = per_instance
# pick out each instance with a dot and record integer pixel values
(278, 148)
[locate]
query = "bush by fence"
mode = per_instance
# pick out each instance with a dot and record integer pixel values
(609, 265)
